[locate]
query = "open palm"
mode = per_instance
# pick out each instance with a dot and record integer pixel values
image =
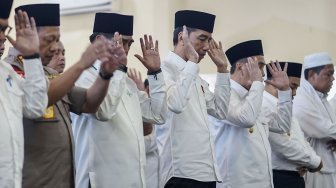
(27, 41)
(151, 56)
(279, 77)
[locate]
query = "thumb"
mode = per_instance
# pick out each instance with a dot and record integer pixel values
(140, 58)
(11, 40)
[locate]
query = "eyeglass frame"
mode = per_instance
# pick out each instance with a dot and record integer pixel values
(6, 29)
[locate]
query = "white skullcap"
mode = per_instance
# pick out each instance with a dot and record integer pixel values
(316, 60)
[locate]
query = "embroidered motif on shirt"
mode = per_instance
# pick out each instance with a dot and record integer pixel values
(17, 69)
(129, 93)
(9, 80)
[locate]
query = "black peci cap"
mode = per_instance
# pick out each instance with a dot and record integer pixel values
(195, 19)
(112, 22)
(5, 8)
(244, 50)
(44, 14)
(293, 69)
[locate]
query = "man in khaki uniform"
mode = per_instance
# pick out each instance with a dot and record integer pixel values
(49, 145)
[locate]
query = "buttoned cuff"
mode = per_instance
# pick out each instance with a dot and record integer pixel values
(191, 68)
(284, 96)
(315, 161)
(223, 79)
(118, 75)
(155, 80)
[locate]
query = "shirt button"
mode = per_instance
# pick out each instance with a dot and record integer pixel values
(251, 130)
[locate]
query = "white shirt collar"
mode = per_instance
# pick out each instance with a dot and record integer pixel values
(273, 99)
(321, 95)
(238, 88)
(176, 60)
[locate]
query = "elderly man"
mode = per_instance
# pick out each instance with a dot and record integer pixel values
(58, 60)
(19, 97)
(48, 150)
(292, 155)
(243, 150)
(316, 116)
(111, 151)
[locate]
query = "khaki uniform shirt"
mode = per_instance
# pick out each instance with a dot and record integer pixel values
(48, 148)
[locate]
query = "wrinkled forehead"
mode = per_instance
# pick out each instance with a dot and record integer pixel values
(49, 31)
(294, 80)
(329, 67)
(200, 32)
(260, 59)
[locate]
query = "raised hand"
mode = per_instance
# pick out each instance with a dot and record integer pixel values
(97, 50)
(136, 77)
(279, 77)
(118, 57)
(189, 50)
(116, 48)
(217, 55)
(151, 56)
(253, 71)
(27, 41)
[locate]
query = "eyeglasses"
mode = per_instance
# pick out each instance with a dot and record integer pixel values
(6, 29)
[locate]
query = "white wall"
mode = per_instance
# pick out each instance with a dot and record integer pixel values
(289, 29)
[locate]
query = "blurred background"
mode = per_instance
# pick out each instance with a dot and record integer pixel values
(289, 29)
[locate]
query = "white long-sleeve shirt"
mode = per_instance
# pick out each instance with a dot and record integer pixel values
(152, 161)
(112, 153)
(186, 147)
(290, 150)
(18, 98)
(242, 146)
(318, 122)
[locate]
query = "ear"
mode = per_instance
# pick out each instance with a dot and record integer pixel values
(99, 37)
(239, 66)
(179, 36)
(311, 74)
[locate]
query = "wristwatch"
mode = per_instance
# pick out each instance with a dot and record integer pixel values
(105, 76)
